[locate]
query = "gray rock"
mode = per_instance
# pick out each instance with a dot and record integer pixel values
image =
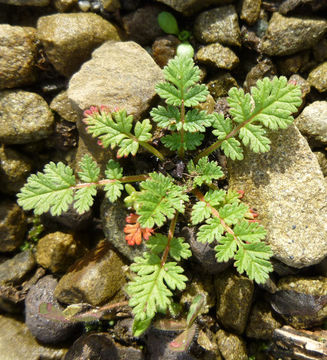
(45, 330)
(216, 55)
(189, 7)
(14, 169)
(57, 251)
(250, 11)
(221, 84)
(288, 35)
(262, 322)
(291, 5)
(234, 299)
(287, 188)
(18, 52)
(218, 25)
(69, 39)
(94, 279)
(100, 346)
(62, 106)
(232, 347)
(16, 342)
(312, 122)
(26, 2)
(113, 221)
(120, 74)
(12, 226)
(142, 25)
(318, 77)
(15, 270)
(24, 117)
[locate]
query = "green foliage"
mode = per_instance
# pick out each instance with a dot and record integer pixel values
(158, 198)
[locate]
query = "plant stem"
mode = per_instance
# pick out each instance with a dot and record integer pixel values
(152, 150)
(181, 150)
(170, 236)
(124, 179)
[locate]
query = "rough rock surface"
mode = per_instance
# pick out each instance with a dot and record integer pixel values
(47, 331)
(62, 106)
(250, 11)
(216, 55)
(221, 84)
(232, 347)
(318, 77)
(218, 25)
(14, 270)
(189, 7)
(18, 53)
(16, 342)
(288, 35)
(312, 122)
(164, 49)
(94, 279)
(12, 226)
(69, 39)
(24, 117)
(120, 74)
(287, 188)
(234, 299)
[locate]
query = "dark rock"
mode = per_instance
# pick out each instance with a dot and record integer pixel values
(302, 6)
(318, 77)
(232, 347)
(12, 226)
(264, 68)
(45, 330)
(62, 106)
(250, 10)
(297, 63)
(221, 84)
(26, 2)
(216, 55)
(164, 49)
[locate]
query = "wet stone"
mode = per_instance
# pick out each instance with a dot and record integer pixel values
(218, 25)
(12, 226)
(296, 63)
(288, 35)
(46, 330)
(264, 68)
(250, 11)
(15, 270)
(216, 55)
(64, 5)
(234, 298)
(110, 5)
(94, 279)
(221, 84)
(232, 347)
(24, 117)
(62, 106)
(318, 77)
(67, 50)
(18, 52)
(302, 6)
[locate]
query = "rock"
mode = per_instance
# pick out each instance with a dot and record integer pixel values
(24, 117)
(234, 298)
(64, 5)
(12, 226)
(14, 170)
(110, 5)
(18, 52)
(94, 279)
(320, 51)
(142, 25)
(221, 84)
(164, 49)
(301, 301)
(26, 2)
(322, 160)
(57, 251)
(264, 68)
(296, 63)
(100, 346)
(69, 39)
(113, 218)
(218, 56)
(16, 342)
(123, 68)
(312, 122)
(304, 86)
(318, 78)
(288, 35)
(206, 340)
(208, 105)
(189, 7)
(250, 11)
(62, 106)
(218, 25)
(129, 5)
(304, 5)
(232, 347)
(262, 322)
(45, 330)
(15, 270)
(287, 189)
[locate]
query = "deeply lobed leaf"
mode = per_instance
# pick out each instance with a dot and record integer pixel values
(204, 171)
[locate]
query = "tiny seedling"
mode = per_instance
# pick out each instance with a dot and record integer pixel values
(159, 199)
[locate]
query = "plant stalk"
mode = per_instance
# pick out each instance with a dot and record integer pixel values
(170, 236)
(124, 179)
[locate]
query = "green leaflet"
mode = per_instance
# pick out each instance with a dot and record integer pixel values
(204, 171)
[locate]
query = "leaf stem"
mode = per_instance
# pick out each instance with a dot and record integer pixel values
(181, 150)
(170, 236)
(124, 179)
(152, 150)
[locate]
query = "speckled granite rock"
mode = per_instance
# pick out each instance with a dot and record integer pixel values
(250, 10)
(312, 122)
(69, 39)
(318, 77)
(218, 25)
(16, 342)
(287, 188)
(216, 55)
(24, 117)
(18, 53)
(62, 106)
(288, 35)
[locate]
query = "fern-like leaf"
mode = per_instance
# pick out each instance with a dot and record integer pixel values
(89, 170)
(204, 171)
(226, 248)
(174, 141)
(166, 117)
(83, 198)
